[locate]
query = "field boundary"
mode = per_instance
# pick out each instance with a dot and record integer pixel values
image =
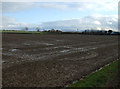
(86, 78)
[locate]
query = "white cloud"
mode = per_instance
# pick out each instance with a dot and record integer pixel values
(87, 22)
(109, 22)
(12, 23)
(94, 5)
(97, 22)
(58, 0)
(83, 23)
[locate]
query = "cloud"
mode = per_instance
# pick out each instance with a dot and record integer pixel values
(94, 5)
(15, 6)
(57, 0)
(84, 23)
(87, 22)
(97, 23)
(20, 6)
(13, 24)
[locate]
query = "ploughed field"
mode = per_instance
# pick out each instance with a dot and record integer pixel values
(33, 60)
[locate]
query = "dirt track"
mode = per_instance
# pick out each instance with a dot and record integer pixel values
(32, 60)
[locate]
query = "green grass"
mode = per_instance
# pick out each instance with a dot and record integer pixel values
(100, 78)
(27, 32)
(20, 32)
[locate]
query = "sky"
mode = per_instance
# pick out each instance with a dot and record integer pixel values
(65, 16)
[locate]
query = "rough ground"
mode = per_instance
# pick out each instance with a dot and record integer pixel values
(33, 60)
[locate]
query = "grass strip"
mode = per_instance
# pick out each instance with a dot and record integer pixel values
(26, 32)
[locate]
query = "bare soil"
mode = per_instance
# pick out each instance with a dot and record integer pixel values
(33, 60)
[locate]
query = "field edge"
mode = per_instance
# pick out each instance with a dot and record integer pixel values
(104, 77)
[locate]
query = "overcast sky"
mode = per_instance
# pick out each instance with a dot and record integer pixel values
(66, 16)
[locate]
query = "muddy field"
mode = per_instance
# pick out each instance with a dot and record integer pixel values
(33, 60)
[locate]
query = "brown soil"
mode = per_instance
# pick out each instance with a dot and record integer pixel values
(33, 60)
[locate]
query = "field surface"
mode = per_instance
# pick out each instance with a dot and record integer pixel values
(33, 60)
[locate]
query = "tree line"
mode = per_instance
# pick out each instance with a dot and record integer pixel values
(89, 32)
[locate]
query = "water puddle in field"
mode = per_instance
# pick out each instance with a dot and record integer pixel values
(62, 47)
(85, 49)
(82, 49)
(13, 50)
(64, 51)
(66, 46)
(3, 61)
(56, 47)
(48, 44)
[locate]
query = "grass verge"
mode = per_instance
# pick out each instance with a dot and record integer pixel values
(19, 32)
(26, 32)
(106, 77)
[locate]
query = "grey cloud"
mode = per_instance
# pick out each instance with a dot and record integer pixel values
(66, 25)
(94, 6)
(12, 23)
(15, 6)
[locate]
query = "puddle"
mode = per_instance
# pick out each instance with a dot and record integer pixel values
(13, 50)
(63, 47)
(64, 51)
(3, 61)
(85, 49)
(56, 47)
(79, 48)
(66, 46)
(48, 44)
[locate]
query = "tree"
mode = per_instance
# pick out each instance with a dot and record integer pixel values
(110, 31)
(105, 32)
(25, 29)
(85, 31)
(52, 30)
(38, 29)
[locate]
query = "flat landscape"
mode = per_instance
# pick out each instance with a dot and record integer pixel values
(34, 60)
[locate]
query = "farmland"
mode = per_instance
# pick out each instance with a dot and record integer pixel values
(34, 60)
